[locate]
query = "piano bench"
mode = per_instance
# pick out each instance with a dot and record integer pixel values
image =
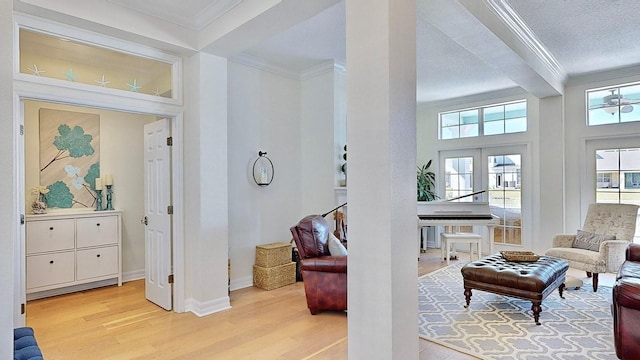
(446, 239)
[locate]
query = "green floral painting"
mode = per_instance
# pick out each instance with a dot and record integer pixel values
(69, 157)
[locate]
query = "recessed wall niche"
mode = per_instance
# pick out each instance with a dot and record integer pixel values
(69, 60)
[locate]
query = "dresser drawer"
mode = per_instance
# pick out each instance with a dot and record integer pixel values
(96, 231)
(50, 269)
(50, 235)
(97, 262)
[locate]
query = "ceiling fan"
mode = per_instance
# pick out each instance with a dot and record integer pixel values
(615, 102)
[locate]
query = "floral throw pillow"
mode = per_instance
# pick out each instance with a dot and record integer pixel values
(590, 241)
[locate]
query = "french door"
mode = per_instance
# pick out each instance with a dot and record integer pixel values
(498, 172)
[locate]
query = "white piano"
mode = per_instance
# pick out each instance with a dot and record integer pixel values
(455, 214)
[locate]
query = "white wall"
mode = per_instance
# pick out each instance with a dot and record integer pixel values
(121, 155)
(318, 130)
(9, 209)
(577, 133)
(263, 114)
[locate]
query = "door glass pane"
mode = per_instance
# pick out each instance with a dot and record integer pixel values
(618, 176)
(459, 177)
(505, 197)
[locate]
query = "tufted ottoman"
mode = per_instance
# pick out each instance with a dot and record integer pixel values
(531, 281)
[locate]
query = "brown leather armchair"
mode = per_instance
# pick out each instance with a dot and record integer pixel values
(626, 306)
(324, 276)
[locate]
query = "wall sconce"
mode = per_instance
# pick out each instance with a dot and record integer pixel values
(263, 169)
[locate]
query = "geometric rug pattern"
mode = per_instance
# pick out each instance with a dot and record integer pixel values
(580, 326)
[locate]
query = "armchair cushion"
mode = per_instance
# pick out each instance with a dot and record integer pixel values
(590, 241)
(335, 246)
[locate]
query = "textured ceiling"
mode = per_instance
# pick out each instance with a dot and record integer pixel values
(584, 36)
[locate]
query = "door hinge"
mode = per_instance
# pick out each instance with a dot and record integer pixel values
(23, 309)
(21, 129)
(170, 279)
(21, 219)
(170, 141)
(170, 209)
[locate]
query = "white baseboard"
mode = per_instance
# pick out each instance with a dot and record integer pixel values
(70, 289)
(207, 308)
(241, 283)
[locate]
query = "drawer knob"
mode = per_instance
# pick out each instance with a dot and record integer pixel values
(50, 261)
(51, 228)
(98, 255)
(98, 224)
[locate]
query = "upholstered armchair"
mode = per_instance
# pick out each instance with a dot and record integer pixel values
(601, 244)
(324, 275)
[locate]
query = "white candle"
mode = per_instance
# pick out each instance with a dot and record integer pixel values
(98, 184)
(108, 179)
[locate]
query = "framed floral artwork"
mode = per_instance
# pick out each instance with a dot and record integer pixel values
(69, 157)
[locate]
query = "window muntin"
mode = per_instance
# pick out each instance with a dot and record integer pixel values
(613, 105)
(63, 59)
(488, 120)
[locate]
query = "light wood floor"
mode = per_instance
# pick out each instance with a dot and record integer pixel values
(118, 323)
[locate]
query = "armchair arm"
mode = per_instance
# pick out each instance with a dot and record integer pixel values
(633, 252)
(626, 292)
(332, 264)
(613, 252)
(563, 240)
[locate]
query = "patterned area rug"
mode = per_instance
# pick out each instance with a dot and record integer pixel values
(579, 326)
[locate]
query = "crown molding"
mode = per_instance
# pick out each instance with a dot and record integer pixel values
(257, 63)
(527, 37)
(323, 68)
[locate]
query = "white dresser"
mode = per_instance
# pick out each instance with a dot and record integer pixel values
(68, 249)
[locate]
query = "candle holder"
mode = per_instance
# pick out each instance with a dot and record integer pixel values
(99, 200)
(109, 197)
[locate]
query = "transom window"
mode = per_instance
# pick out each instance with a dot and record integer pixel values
(487, 120)
(613, 105)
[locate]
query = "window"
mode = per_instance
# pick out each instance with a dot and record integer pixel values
(613, 105)
(618, 176)
(458, 177)
(497, 171)
(488, 120)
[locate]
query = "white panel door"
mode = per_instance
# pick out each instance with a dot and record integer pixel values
(157, 172)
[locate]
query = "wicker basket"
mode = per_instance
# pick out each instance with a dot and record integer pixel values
(269, 255)
(523, 256)
(269, 278)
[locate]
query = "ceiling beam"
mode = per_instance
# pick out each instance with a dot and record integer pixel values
(493, 32)
(253, 21)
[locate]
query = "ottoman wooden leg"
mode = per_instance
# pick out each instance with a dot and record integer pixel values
(536, 311)
(561, 289)
(467, 296)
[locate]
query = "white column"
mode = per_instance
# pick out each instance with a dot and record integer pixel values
(8, 214)
(381, 138)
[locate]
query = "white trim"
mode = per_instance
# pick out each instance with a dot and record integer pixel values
(260, 64)
(521, 30)
(207, 308)
(74, 96)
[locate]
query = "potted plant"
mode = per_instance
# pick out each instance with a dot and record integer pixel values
(426, 183)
